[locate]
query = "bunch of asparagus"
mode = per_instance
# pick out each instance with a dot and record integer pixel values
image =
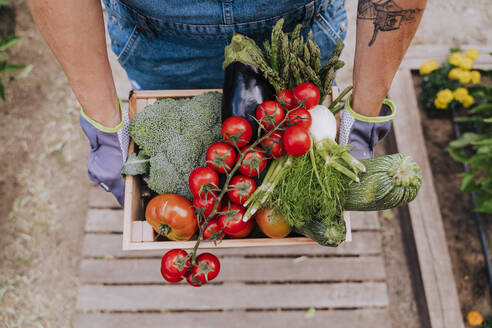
(288, 60)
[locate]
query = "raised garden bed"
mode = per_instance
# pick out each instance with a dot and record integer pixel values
(439, 244)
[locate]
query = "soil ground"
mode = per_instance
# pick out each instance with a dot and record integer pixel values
(43, 184)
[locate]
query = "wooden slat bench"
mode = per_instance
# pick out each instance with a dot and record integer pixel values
(261, 286)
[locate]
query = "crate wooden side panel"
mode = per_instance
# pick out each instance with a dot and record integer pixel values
(134, 210)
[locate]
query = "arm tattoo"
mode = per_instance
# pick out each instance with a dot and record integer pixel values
(385, 14)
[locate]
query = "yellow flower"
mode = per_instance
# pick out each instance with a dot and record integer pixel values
(472, 54)
(428, 67)
(474, 318)
(465, 77)
(475, 77)
(468, 101)
(466, 63)
(455, 73)
(445, 96)
(460, 94)
(439, 104)
(455, 58)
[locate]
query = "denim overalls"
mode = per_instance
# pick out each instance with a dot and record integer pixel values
(179, 44)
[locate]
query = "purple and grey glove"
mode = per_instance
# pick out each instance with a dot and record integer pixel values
(109, 149)
(363, 132)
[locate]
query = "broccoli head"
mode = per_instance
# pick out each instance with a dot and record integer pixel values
(176, 135)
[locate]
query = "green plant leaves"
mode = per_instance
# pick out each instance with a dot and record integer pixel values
(8, 42)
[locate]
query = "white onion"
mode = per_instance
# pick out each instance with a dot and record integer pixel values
(324, 124)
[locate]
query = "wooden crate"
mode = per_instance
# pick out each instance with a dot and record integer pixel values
(139, 235)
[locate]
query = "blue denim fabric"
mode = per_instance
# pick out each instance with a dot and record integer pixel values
(180, 44)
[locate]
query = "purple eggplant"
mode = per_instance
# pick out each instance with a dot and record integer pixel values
(245, 89)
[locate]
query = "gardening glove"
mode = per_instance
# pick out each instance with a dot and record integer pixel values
(109, 149)
(363, 132)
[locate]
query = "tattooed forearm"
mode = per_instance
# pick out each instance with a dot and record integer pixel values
(386, 15)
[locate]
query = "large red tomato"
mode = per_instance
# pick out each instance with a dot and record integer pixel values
(233, 224)
(175, 263)
(270, 114)
(221, 157)
(273, 145)
(308, 94)
(253, 163)
(171, 216)
(236, 130)
(240, 188)
(203, 177)
(206, 268)
(296, 141)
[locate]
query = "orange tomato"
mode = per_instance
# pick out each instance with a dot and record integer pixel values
(171, 216)
(272, 224)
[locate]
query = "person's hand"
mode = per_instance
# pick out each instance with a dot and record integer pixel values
(363, 132)
(109, 148)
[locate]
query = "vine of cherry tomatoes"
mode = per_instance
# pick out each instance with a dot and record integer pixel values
(288, 115)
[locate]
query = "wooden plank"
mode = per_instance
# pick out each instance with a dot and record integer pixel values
(416, 55)
(111, 220)
(361, 318)
(364, 221)
(231, 296)
(137, 231)
(104, 220)
(364, 243)
(100, 198)
(426, 221)
(136, 271)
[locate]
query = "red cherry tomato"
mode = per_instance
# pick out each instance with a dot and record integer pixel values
(286, 97)
(241, 188)
(300, 117)
(169, 278)
(212, 230)
(253, 163)
(296, 141)
(308, 94)
(200, 177)
(206, 268)
(233, 225)
(273, 145)
(221, 157)
(236, 130)
(243, 232)
(174, 264)
(207, 204)
(270, 114)
(192, 281)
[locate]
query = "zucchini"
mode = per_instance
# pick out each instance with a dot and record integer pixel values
(389, 181)
(331, 234)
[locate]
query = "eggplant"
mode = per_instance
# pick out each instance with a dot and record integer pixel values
(245, 89)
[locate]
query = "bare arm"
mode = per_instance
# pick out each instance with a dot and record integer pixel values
(74, 30)
(385, 29)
